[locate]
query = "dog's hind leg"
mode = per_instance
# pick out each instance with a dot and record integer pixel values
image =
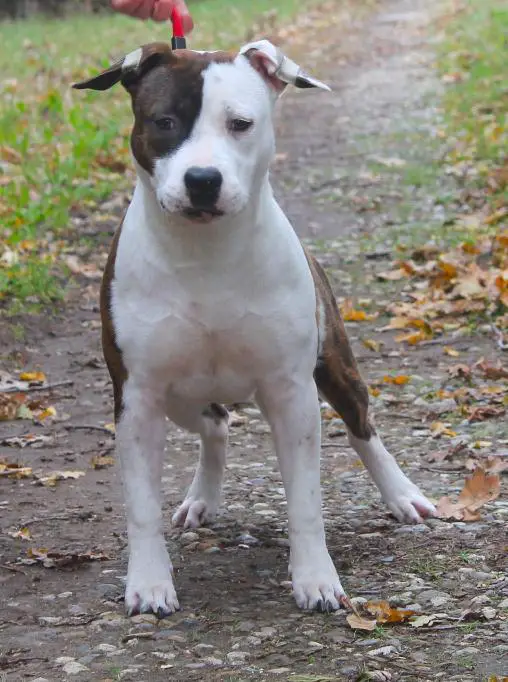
(339, 382)
(204, 494)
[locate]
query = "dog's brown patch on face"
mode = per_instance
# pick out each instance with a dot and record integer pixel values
(336, 372)
(112, 354)
(171, 92)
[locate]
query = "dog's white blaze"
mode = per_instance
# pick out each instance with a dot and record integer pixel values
(229, 90)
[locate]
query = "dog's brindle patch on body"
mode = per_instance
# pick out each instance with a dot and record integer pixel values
(112, 353)
(336, 372)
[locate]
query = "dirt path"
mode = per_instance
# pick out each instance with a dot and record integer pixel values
(238, 620)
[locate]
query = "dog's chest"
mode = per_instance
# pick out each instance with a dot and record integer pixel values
(215, 346)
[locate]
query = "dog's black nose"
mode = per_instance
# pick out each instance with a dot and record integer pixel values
(203, 185)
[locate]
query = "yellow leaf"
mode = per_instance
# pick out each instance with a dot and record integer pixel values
(102, 461)
(48, 412)
(374, 391)
(110, 427)
(412, 338)
(398, 380)
(32, 376)
(451, 351)
(23, 534)
(372, 345)
(439, 429)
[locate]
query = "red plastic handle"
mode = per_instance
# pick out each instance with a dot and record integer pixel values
(176, 20)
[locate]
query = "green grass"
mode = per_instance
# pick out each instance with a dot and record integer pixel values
(472, 60)
(62, 151)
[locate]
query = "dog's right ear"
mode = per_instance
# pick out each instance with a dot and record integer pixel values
(130, 69)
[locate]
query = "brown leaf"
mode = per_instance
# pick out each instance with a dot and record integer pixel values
(480, 414)
(491, 371)
(461, 370)
(51, 559)
(479, 489)
(14, 470)
(9, 405)
(357, 622)
(102, 461)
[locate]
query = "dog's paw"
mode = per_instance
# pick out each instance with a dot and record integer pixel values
(193, 513)
(318, 588)
(151, 597)
(409, 505)
(150, 586)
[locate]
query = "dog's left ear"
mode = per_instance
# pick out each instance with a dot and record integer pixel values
(130, 69)
(277, 69)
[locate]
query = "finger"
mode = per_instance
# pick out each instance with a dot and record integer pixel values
(144, 10)
(162, 10)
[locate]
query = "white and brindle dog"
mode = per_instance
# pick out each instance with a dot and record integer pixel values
(208, 298)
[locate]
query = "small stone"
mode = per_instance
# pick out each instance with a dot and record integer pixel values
(144, 619)
(481, 599)
(315, 646)
(49, 620)
(41, 679)
(466, 651)
(186, 538)
(106, 648)
(245, 626)
(247, 539)
(237, 657)
(266, 633)
(205, 532)
(503, 604)
(62, 660)
(385, 651)
(74, 668)
(64, 595)
(273, 671)
(200, 648)
(211, 660)
(488, 612)
(108, 590)
(417, 528)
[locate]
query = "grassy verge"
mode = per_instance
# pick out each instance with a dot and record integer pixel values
(472, 62)
(62, 151)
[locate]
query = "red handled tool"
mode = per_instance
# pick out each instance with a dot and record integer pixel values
(178, 39)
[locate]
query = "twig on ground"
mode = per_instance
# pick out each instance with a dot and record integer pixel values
(30, 389)
(88, 427)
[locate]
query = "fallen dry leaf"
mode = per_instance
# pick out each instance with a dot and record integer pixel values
(439, 429)
(490, 371)
(480, 414)
(479, 489)
(491, 465)
(44, 414)
(10, 404)
(350, 314)
(52, 479)
(14, 470)
(384, 613)
(357, 622)
(398, 380)
(412, 338)
(451, 351)
(28, 440)
(461, 370)
(51, 559)
(372, 345)
(421, 621)
(33, 377)
(23, 534)
(102, 461)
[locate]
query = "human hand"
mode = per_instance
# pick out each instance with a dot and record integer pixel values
(159, 10)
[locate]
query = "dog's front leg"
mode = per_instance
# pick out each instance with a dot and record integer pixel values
(292, 409)
(141, 434)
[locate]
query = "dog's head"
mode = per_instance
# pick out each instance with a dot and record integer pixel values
(203, 135)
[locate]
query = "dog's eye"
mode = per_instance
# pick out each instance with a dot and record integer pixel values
(165, 123)
(239, 125)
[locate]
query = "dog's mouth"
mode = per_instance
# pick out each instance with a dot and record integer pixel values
(202, 215)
